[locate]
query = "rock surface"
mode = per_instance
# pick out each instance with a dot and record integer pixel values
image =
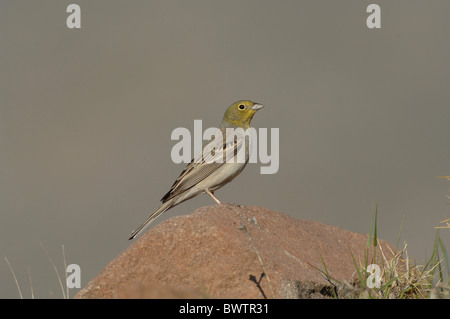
(230, 251)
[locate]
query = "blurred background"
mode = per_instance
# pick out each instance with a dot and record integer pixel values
(86, 116)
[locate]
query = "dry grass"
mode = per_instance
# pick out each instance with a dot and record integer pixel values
(398, 278)
(62, 283)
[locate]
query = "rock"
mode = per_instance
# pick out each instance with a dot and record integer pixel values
(230, 251)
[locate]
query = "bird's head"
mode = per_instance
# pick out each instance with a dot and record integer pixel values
(240, 113)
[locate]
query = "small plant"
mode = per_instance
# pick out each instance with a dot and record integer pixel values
(396, 277)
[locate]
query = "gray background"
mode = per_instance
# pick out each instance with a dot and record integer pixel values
(86, 117)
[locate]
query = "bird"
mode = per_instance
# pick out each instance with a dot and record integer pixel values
(215, 166)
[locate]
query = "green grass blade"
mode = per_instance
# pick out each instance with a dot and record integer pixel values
(400, 233)
(370, 230)
(363, 282)
(444, 253)
(375, 238)
(432, 258)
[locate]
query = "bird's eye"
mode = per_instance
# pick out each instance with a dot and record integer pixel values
(241, 107)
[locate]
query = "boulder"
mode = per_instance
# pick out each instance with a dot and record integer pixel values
(231, 251)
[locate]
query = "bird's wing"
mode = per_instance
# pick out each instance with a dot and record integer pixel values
(213, 156)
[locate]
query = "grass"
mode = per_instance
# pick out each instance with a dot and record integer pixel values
(396, 277)
(14, 276)
(63, 285)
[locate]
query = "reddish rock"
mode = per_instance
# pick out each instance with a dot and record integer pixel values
(209, 254)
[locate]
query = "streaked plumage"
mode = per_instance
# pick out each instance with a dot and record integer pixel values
(204, 173)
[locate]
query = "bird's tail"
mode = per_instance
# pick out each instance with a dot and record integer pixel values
(149, 220)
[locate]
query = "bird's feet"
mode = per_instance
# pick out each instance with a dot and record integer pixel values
(213, 197)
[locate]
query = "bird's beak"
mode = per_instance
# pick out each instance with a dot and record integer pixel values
(257, 106)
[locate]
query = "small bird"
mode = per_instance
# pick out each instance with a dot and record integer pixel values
(205, 173)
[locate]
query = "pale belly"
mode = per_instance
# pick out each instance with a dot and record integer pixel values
(216, 180)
